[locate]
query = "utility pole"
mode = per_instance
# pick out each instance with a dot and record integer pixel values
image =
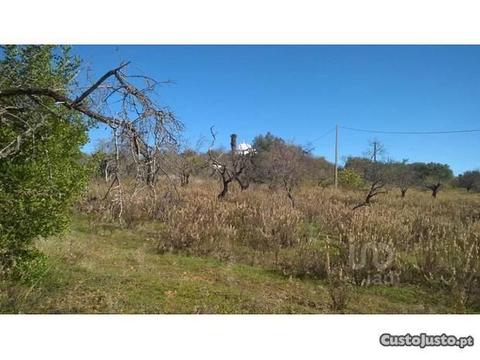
(336, 158)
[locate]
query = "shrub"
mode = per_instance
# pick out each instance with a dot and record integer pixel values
(339, 289)
(40, 182)
(350, 179)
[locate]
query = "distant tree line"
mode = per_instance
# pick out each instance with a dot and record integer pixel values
(403, 175)
(271, 160)
(280, 164)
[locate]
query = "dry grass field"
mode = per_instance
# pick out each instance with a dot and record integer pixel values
(252, 252)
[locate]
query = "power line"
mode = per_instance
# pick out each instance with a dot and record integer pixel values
(412, 132)
(323, 135)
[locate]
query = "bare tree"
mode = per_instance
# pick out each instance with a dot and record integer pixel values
(376, 173)
(188, 163)
(284, 165)
(228, 168)
(124, 103)
(376, 150)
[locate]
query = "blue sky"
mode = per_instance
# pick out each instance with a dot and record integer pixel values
(301, 92)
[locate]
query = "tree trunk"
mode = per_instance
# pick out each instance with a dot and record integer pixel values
(184, 179)
(290, 197)
(150, 178)
(106, 173)
(435, 188)
(243, 184)
(224, 189)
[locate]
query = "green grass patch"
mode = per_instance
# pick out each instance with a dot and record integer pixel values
(119, 272)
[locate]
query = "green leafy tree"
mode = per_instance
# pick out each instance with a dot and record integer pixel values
(361, 166)
(349, 178)
(401, 175)
(41, 172)
(263, 143)
(432, 175)
(469, 180)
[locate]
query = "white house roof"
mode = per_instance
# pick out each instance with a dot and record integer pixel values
(244, 148)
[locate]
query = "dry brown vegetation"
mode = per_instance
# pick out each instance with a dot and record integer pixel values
(271, 208)
(429, 242)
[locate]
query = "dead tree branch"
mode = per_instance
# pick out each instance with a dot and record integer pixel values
(375, 189)
(228, 170)
(99, 82)
(149, 128)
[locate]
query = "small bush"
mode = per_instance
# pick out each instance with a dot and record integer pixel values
(350, 179)
(339, 289)
(27, 267)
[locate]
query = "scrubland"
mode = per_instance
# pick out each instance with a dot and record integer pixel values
(185, 251)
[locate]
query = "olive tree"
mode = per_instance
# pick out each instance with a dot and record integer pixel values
(432, 175)
(44, 118)
(401, 175)
(40, 169)
(469, 180)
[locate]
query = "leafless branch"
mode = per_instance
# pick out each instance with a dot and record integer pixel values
(375, 189)
(100, 81)
(149, 132)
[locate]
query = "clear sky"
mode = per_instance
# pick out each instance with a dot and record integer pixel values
(301, 92)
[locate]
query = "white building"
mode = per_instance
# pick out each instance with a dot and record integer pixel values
(245, 149)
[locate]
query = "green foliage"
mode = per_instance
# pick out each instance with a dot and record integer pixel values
(29, 267)
(263, 143)
(469, 180)
(400, 174)
(361, 166)
(432, 172)
(350, 179)
(39, 182)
